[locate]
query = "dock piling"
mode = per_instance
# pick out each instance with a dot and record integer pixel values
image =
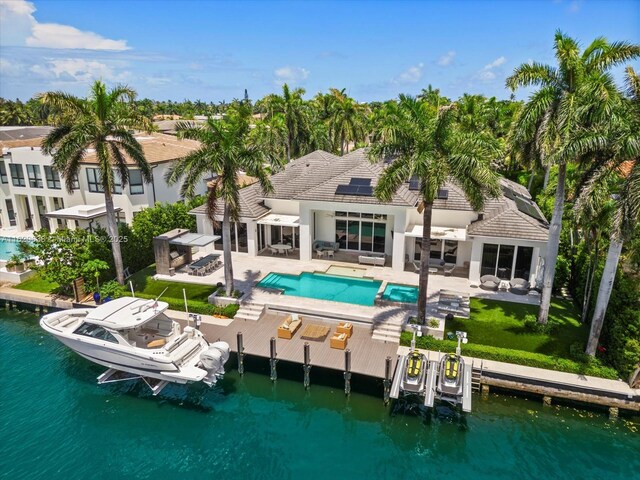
(613, 413)
(307, 364)
(347, 372)
(387, 379)
(240, 354)
(546, 401)
(273, 360)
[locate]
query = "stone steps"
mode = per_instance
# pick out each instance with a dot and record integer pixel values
(249, 311)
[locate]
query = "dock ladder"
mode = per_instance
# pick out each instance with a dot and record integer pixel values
(476, 376)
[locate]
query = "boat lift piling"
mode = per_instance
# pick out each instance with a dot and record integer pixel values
(240, 354)
(387, 379)
(273, 360)
(307, 365)
(347, 372)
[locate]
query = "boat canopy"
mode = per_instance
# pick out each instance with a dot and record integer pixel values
(126, 312)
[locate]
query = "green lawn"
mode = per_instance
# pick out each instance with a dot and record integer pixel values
(145, 284)
(501, 324)
(38, 284)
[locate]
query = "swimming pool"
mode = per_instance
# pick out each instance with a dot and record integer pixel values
(360, 291)
(8, 246)
(395, 292)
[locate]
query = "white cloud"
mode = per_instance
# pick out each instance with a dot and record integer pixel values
(290, 75)
(574, 6)
(496, 63)
(77, 70)
(487, 73)
(9, 69)
(447, 58)
(18, 27)
(410, 75)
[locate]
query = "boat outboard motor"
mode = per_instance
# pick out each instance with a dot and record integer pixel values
(213, 360)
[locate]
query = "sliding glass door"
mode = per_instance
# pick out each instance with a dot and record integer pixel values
(506, 261)
(361, 232)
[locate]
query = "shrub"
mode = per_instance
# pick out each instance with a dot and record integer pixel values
(592, 367)
(434, 323)
(532, 325)
(563, 273)
(196, 306)
(112, 289)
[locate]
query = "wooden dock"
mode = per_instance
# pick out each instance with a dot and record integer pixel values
(367, 356)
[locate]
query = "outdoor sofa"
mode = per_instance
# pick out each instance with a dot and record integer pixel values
(372, 259)
(489, 282)
(289, 327)
(519, 286)
(325, 245)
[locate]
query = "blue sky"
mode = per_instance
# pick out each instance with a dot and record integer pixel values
(212, 50)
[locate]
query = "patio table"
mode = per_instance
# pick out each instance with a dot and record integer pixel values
(282, 248)
(204, 261)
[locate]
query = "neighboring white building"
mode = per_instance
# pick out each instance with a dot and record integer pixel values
(33, 196)
(322, 197)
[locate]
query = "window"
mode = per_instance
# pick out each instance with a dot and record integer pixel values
(93, 178)
(35, 177)
(75, 185)
(505, 261)
(3, 173)
(11, 213)
(436, 248)
(361, 235)
(117, 183)
(450, 251)
(17, 175)
(523, 263)
(95, 331)
(53, 179)
(489, 259)
(136, 186)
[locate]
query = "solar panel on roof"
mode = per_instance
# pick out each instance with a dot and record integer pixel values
(360, 181)
(414, 183)
(443, 194)
(528, 208)
(356, 190)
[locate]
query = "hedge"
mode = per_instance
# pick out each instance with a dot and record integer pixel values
(518, 357)
(196, 306)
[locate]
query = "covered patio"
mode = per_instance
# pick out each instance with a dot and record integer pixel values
(174, 250)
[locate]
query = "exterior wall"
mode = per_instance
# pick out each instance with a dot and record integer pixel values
(283, 207)
(443, 218)
(129, 203)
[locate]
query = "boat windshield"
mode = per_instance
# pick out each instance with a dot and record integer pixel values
(95, 331)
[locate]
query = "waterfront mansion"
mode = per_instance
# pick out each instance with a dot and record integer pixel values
(33, 196)
(323, 205)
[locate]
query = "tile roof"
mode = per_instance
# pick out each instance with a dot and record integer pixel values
(157, 147)
(502, 218)
(251, 204)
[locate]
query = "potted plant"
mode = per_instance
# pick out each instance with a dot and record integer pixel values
(16, 259)
(10, 266)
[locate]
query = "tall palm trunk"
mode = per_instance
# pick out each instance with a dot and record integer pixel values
(552, 246)
(531, 177)
(112, 228)
(425, 253)
(604, 292)
(545, 182)
(593, 263)
(341, 144)
(226, 250)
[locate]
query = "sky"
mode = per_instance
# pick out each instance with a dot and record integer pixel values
(213, 50)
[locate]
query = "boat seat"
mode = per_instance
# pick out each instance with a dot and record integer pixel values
(67, 321)
(414, 365)
(451, 368)
(160, 342)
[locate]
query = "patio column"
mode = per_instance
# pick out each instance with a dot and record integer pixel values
(305, 233)
(399, 225)
(252, 238)
(476, 260)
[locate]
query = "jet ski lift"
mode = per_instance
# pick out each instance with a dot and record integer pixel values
(454, 378)
(410, 377)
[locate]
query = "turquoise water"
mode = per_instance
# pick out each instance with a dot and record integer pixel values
(57, 424)
(361, 291)
(395, 292)
(8, 247)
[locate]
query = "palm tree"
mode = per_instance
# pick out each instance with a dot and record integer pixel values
(346, 120)
(226, 149)
(292, 106)
(432, 148)
(622, 143)
(571, 97)
(102, 122)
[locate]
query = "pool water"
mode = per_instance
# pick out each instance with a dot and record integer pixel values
(8, 247)
(360, 291)
(395, 292)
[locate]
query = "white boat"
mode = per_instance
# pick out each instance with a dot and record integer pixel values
(135, 336)
(415, 372)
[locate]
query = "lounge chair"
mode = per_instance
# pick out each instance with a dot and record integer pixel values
(519, 286)
(489, 282)
(449, 268)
